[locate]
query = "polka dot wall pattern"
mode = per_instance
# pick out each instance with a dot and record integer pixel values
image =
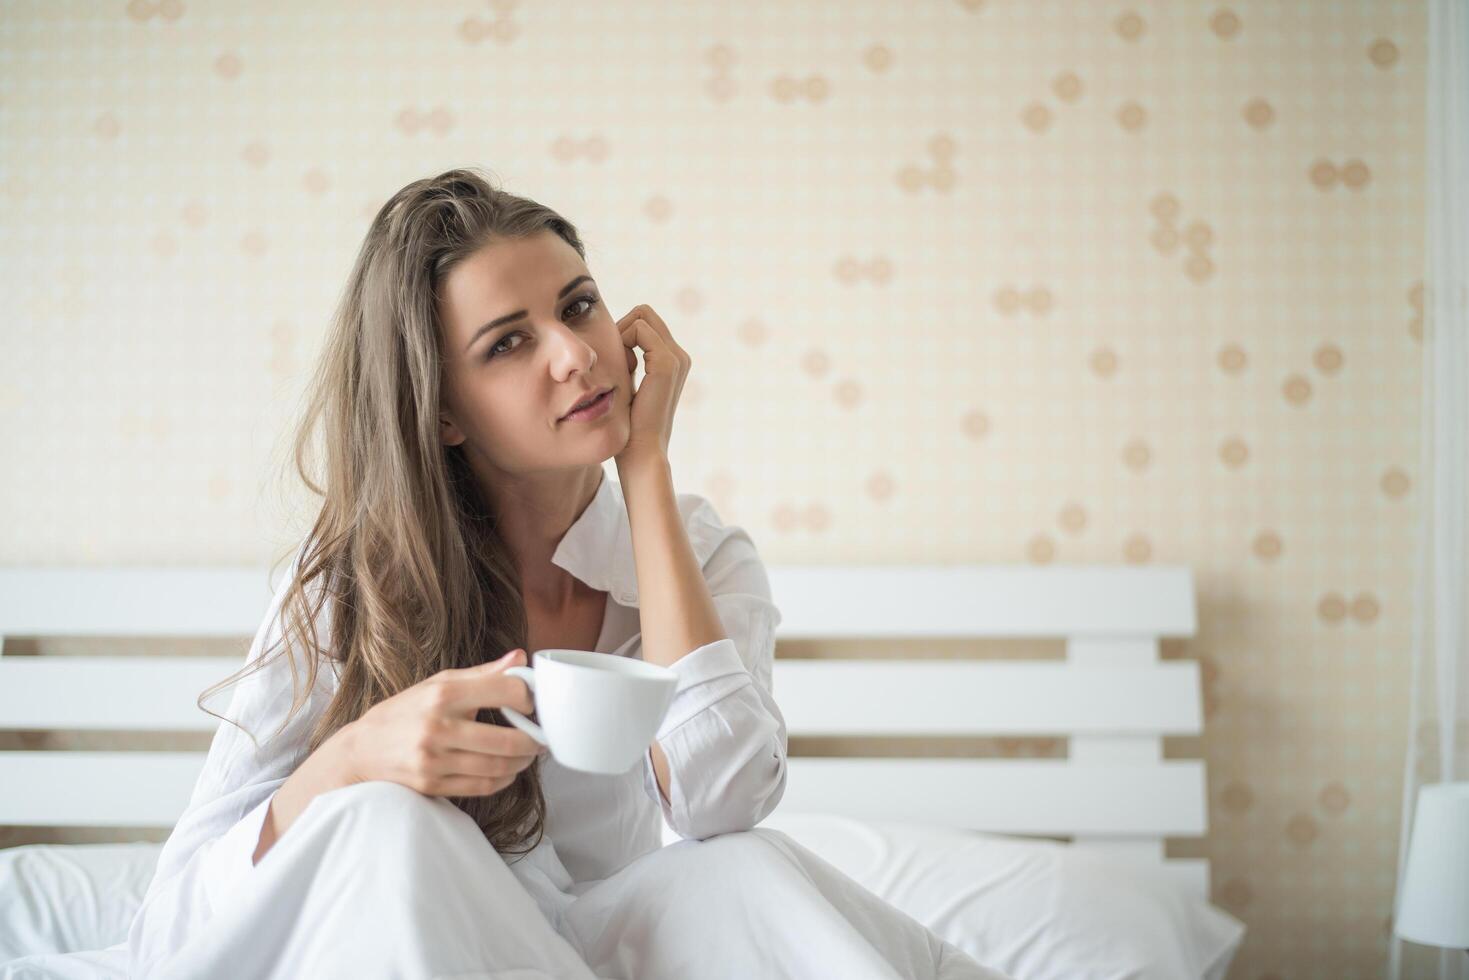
(961, 281)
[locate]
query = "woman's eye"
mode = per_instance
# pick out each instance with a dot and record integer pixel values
(589, 299)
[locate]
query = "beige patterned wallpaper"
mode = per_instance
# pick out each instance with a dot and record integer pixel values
(993, 280)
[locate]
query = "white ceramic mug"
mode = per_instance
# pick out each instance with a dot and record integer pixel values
(598, 711)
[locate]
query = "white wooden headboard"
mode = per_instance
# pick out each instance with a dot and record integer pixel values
(1111, 695)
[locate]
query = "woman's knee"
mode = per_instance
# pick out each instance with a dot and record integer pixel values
(382, 793)
(739, 848)
(382, 801)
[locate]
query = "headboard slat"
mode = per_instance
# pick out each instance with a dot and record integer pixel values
(817, 697)
(969, 697)
(97, 789)
(206, 602)
(1023, 796)
(1031, 796)
(916, 601)
(156, 694)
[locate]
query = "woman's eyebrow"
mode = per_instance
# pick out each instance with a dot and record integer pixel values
(509, 317)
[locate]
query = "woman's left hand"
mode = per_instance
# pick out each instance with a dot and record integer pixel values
(665, 366)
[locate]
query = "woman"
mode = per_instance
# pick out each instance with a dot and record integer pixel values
(382, 829)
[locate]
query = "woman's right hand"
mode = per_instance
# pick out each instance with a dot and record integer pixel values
(426, 736)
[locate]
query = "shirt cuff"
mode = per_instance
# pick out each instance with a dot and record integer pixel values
(706, 674)
(231, 857)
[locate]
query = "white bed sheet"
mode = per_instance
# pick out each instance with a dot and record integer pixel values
(100, 964)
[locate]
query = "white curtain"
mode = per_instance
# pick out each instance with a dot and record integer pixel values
(1438, 733)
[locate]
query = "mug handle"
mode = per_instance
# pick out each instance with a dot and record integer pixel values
(517, 719)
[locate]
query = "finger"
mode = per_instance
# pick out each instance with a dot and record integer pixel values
(472, 785)
(510, 659)
(478, 764)
(476, 736)
(656, 324)
(510, 692)
(478, 688)
(655, 321)
(641, 333)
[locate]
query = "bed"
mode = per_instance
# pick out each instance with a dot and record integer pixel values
(1042, 867)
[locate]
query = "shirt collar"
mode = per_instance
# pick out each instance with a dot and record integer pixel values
(597, 548)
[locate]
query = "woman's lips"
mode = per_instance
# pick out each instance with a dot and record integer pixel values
(596, 409)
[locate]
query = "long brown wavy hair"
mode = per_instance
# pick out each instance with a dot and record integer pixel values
(404, 545)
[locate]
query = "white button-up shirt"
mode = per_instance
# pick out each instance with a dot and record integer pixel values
(723, 736)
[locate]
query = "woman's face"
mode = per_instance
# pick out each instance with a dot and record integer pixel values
(507, 387)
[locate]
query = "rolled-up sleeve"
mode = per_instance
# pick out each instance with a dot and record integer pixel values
(724, 737)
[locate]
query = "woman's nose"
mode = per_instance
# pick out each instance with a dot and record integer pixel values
(574, 348)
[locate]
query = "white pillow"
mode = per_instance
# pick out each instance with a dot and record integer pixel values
(60, 898)
(1035, 909)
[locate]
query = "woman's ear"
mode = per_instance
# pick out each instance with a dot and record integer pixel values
(449, 433)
